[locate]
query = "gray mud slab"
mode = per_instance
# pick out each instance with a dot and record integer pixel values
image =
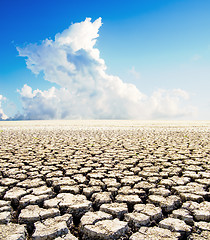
(13, 231)
(136, 220)
(175, 225)
(68, 236)
(117, 210)
(104, 180)
(184, 215)
(52, 227)
(5, 217)
(78, 205)
(106, 229)
(151, 210)
(94, 217)
(205, 235)
(166, 203)
(151, 233)
(33, 213)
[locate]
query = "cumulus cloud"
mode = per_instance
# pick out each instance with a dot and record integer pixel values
(86, 91)
(2, 115)
(134, 73)
(170, 104)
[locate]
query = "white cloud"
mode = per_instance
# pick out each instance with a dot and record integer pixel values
(170, 104)
(134, 73)
(86, 90)
(3, 116)
(196, 57)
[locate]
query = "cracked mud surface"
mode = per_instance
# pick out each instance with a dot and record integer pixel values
(104, 180)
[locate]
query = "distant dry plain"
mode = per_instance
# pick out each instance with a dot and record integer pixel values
(104, 179)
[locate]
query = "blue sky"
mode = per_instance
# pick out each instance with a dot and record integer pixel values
(158, 46)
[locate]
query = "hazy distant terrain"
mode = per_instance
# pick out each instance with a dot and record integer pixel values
(104, 179)
(103, 123)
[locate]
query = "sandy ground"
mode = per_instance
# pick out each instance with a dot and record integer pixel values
(104, 179)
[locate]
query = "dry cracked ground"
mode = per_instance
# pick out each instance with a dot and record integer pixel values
(71, 181)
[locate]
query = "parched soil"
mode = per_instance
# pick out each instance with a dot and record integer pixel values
(104, 180)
